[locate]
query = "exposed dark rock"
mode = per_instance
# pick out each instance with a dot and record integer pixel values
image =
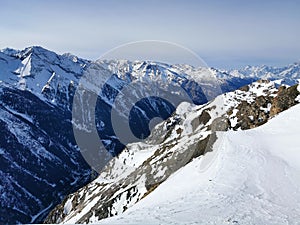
(244, 88)
(284, 99)
(220, 124)
(202, 119)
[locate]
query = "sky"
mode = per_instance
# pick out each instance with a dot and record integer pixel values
(225, 34)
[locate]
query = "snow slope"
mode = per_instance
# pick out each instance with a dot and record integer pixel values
(254, 179)
(189, 133)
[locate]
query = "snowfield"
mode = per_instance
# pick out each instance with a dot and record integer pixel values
(253, 177)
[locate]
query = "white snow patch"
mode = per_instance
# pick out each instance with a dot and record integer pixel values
(233, 121)
(68, 206)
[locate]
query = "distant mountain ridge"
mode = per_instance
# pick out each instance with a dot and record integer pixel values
(38, 64)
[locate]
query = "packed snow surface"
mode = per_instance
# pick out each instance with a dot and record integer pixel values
(253, 178)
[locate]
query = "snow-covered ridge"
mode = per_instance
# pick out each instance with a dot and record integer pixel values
(187, 135)
(255, 179)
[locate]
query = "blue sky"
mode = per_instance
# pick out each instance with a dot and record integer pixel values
(224, 33)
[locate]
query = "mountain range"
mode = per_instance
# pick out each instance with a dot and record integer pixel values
(41, 162)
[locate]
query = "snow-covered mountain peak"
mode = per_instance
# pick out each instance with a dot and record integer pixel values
(32, 67)
(21, 54)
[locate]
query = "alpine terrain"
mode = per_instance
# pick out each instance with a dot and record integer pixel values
(190, 171)
(253, 178)
(44, 176)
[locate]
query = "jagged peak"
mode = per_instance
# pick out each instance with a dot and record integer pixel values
(26, 52)
(40, 52)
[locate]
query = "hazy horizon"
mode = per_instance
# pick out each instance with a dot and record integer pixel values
(224, 34)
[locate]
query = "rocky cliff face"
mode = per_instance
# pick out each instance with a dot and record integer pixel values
(286, 97)
(188, 134)
(267, 103)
